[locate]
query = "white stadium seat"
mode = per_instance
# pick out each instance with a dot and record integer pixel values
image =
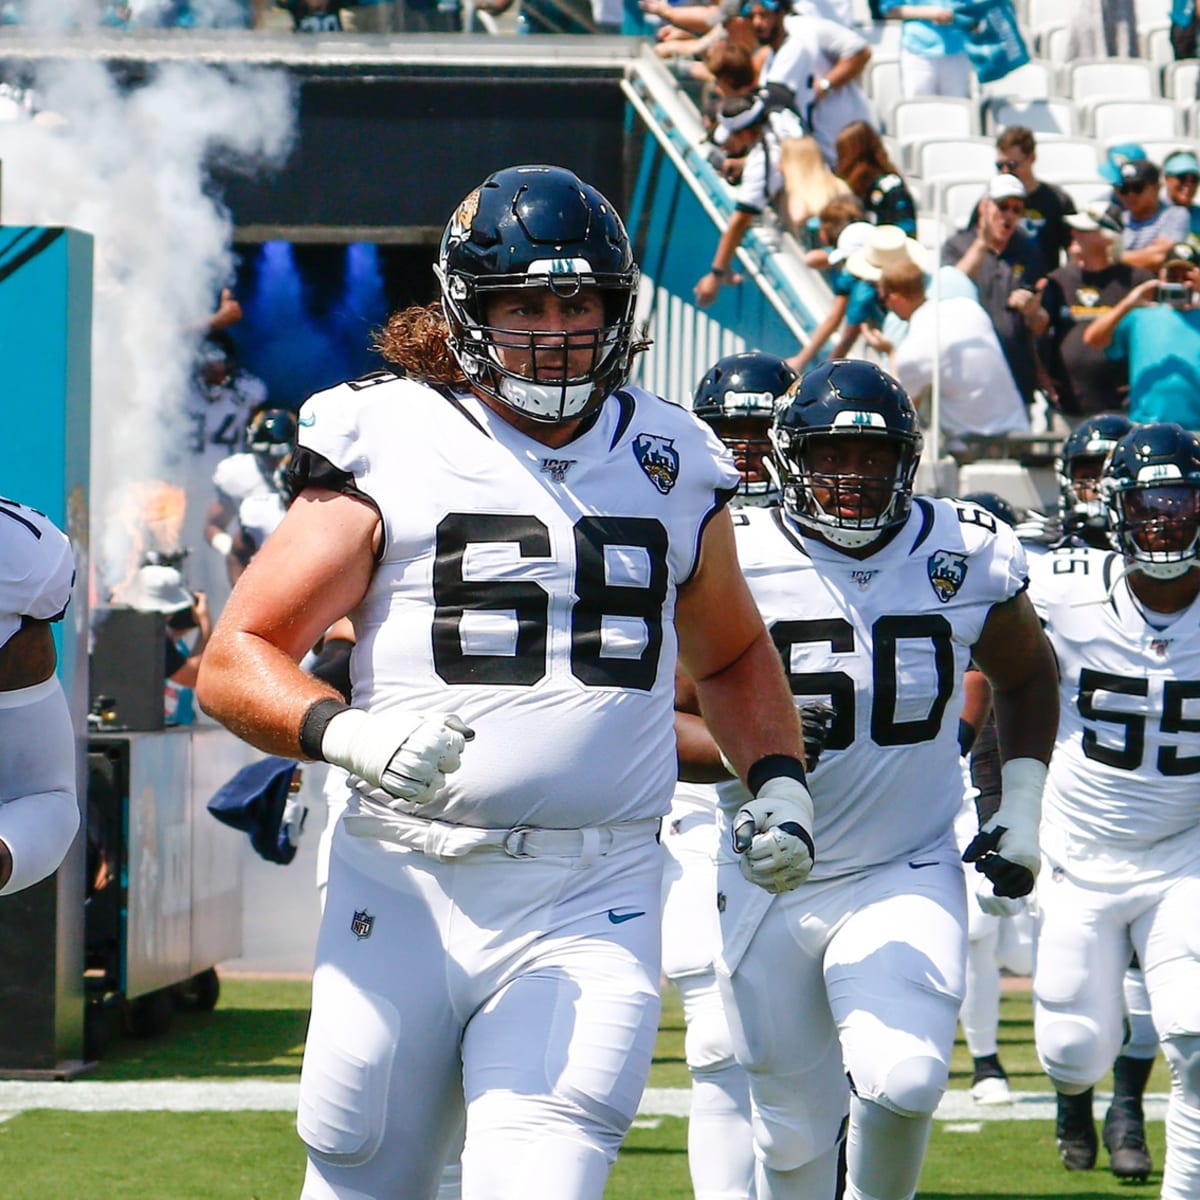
(917, 120)
(1042, 116)
(1033, 81)
(942, 158)
(1065, 158)
(1179, 81)
(954, 199)
(1134, 120)
(1119, 78)
(881, 80)
(1084, 191)
(1156, 45)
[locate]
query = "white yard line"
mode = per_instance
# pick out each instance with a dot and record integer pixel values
(262, 1096)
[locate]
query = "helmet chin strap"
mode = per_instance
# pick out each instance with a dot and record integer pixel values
(1161, 570)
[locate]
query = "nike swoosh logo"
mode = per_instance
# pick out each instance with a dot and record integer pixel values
(620, 918)
(916, 866)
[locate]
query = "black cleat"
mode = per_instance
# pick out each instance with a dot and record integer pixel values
(989, 1084)
(1076, 1132)
(1125, 1141)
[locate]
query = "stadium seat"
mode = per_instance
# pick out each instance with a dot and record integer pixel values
(1085, 191)
(1153, 13)
(943, 158)
(1116, 78)
(1156, 45)
(882, 83)
(1157, 150)
(1042, 116)
(1054, 45)
(1064, 158)
(918, 120)
(884, 38)
(1034, 81)
(954, 199)
(1180, 79)
(1134, 120)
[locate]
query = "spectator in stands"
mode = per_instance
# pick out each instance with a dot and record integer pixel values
(1085, 380)
(864, 164)
(1005, 266)
(1046, 205)
(744, 130)
(1156, 329)
(1102, 28)
(933, 49)
(808, 183)
(1184, 26)
(1181, 175)
(313, 16)
(888, 247)
(955, 340)
(854, 300)
(820, 60)
(1151, 228)
(831, 220)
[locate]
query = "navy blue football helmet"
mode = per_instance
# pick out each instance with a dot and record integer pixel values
(1151, 486)
(737, 397)
(846, 398)
(997, 505)
(539, 228)
(1085, 450)
(271, 433)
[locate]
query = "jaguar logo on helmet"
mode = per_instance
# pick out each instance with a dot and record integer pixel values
(459, 229)
(947, 574)
(658, 458)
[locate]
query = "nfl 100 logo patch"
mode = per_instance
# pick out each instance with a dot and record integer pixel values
(361, 924)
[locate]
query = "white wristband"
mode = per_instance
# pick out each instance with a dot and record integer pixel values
(221, 542)
(1022, 781)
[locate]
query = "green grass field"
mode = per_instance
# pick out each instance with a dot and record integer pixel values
(257, 1032)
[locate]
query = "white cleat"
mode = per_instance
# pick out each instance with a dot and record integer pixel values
(991, 1090)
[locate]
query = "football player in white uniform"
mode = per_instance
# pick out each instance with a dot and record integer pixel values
(525, 556)
(1120, 831)
(39, 815)
(250, 487)
(876, 602)
(1083, 521)
(736, 397)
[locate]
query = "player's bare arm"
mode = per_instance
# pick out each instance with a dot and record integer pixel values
(1017, 659)
(28, 656)
(698, 754)
(725, 648)
(312, 571)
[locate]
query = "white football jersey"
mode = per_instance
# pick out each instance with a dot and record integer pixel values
(1122, 799)
(257, 501)
(37, 568)
(530, 590)
(886, 640)
(216, 415)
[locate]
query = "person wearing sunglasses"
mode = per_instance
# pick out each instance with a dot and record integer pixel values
(1181, 176)
(1046, 204)
(1151, 227)
(1156, 328)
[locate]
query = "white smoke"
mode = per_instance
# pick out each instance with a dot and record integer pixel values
(129, 166)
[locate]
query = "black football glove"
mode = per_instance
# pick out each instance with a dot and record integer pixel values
(815, 719)
(1008, 878)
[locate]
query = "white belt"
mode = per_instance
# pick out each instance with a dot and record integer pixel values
(441, 840)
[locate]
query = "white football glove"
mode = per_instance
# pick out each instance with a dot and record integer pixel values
(1006, 848)
(772, 835)
(291, 824)
(405, 754)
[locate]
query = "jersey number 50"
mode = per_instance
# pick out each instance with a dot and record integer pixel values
(529, 602)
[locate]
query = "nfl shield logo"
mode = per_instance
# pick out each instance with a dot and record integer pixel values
(361, 924)
(947, 571)
(658, 457)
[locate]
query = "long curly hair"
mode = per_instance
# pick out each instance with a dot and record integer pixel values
(861, 157)
(416, 340)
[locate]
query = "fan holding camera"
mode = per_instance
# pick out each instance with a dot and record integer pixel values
(1156, 329)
